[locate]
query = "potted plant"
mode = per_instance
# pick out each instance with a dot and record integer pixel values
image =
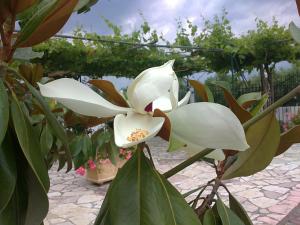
(95, 154)
(103, 170)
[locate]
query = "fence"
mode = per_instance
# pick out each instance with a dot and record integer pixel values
(282, 85)
(285, 114)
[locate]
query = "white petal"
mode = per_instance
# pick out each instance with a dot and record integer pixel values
(126, 125)
(151, 84)
(208, 125)
(217, 154)
(185, 99)
(163, 103)
(80, 98)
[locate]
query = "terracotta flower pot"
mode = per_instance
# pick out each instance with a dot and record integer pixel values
(104, 172)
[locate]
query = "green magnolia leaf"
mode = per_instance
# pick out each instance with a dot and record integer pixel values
(259, 105)
(242, 114)
(263, 139)
(249, 99)
(81, 4)
(28, 195)
(76, 145)
(46, 21)
(227, 216)
(79, 160)
(36, 197)
(86, 146)
(288, 138)
(153, 200)
(4, 111)
(41, 13)
(113, 152)
(99, 138)
(29, 143)
(210, 218)
(56, 127)
(202, 90)
(84, 6)
(236, 207)
(295, 32)
(8, 171)
(46, 140)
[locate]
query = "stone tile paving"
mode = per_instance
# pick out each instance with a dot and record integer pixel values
(292, 218)
(267, 196)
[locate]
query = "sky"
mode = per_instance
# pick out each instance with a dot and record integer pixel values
(162, 15)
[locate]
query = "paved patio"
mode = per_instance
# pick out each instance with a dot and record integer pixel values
(267, 196)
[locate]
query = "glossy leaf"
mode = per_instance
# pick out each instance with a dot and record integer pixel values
(247, 100)
(29, 144)
(227, 216)
(4, 111)
(47, 21)
(113, 152)
(263, 138)
(22, 5)
(202, 90)
(236, 207)
(46, 139)
(84, 6)
(15, 211)
(110, 91)
(210, 218)
(259, 105)
(86, 145)
(288, 138)
(56, 127)
(28, 195)
(295, 32)
(76, 145)
(238, 110)
(4, 11)
(153, 200)
(8, 171)
(99, 138)
(41, 12)
(36, 197)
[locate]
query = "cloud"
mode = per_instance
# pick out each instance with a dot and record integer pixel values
(162, 14)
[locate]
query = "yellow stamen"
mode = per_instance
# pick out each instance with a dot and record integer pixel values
(137, 135)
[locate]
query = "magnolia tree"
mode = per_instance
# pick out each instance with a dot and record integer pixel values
(241, 139)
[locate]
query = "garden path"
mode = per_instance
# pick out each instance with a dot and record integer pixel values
(267, 196)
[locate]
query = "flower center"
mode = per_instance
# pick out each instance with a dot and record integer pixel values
(137, 135)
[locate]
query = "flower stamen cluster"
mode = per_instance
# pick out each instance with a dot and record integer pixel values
(137, 135)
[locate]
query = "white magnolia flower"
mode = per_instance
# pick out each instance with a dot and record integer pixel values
(198, 125)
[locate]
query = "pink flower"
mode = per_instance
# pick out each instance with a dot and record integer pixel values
(92, 165)
(128, 155)
(122, 151)
(80, 171)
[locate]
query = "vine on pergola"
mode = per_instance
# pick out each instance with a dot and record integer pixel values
(215, 48)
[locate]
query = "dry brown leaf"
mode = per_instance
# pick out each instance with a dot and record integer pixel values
(109, 89)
